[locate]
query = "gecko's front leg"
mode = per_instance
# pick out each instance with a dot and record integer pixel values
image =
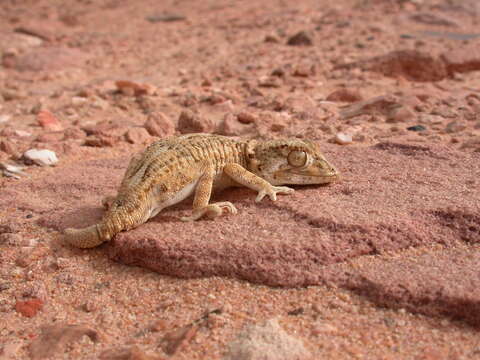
(203, 191)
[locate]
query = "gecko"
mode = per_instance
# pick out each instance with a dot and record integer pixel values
(174, 168)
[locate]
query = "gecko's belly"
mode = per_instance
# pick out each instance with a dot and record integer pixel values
(174, 199)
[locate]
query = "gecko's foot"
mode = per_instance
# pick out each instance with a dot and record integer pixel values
(272, 192)
(211, 211)
(107, 202)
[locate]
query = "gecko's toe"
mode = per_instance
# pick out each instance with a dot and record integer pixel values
(211, 211)
(260, 196)
(283, 190)
(228, 206)
(272, 192)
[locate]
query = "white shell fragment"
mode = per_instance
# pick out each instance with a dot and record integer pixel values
(12, 170)
(41, 157)
(343, 139)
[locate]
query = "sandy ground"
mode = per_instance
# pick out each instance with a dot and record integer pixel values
(383, 264)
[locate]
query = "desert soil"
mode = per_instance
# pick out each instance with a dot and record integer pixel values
(383, 264)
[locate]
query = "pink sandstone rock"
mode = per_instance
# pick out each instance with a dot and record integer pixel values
(48, 121)
(410, 64)
(54, 337)
(267, 341)
(190, 122)
(462, 60)
(158, 124)
(50, 59)
(435, 283)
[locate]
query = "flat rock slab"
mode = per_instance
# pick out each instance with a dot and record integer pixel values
(442, 283)
(392, 197)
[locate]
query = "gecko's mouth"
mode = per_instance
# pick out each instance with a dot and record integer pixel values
(314, 171)
(309, 175)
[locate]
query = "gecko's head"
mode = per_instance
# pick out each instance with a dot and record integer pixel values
(292, 161)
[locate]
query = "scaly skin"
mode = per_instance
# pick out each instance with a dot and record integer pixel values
(174, 168)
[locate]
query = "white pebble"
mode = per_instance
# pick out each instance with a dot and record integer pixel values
(41, 157)
(22, 133)
(99, 103)
(78, 101)
(343, 139)
(12, 170)
(4, 118)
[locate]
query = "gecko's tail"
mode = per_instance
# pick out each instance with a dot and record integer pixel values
(118, 218)
(88, 237)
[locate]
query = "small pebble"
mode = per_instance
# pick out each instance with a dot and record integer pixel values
(345, 95)
(12, 170)
(41, 157)
(158, 124)
(137, 135)
(131, 88)
(89, 306)
(401, 114)
(246, 117)
(5, 286)
(78, 101)
(48, 121)
(455, 126)
(304, 70)
(417, 128)
(206, 83)
(270, 82)
(21, 133)
(99, 103)
(301, 38)
(4, 118)
(29, 308)
(343, 139)
(271, 39)
(166, 18)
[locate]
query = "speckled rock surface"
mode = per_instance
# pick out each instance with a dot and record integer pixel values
(442, 284)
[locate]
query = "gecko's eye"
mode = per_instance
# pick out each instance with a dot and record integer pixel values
(297, 158)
